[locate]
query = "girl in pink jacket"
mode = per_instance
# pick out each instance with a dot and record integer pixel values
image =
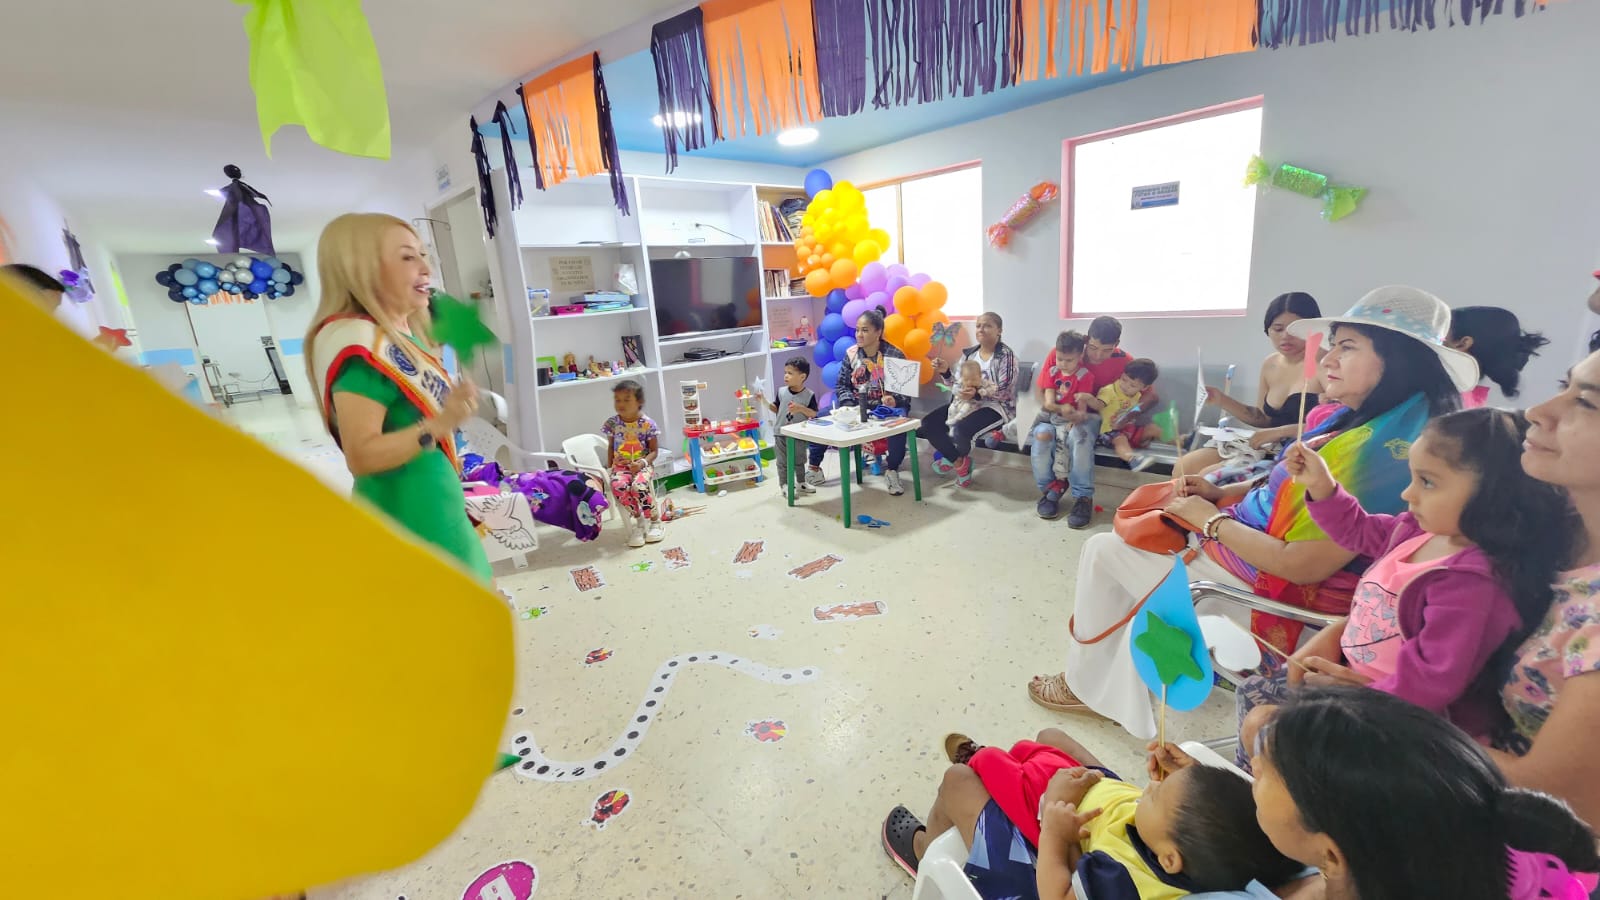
(1458, 581)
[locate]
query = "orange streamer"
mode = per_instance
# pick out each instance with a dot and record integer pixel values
(564, 122)
(1181, 30)
(762, 59)
(1041, 37)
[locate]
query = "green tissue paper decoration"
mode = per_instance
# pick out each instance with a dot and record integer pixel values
(314, 63)
(1338, 200)
(457, 326)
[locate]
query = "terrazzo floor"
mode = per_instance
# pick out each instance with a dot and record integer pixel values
(976, 592)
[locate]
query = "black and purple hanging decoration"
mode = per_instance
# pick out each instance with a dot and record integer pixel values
(245, 223)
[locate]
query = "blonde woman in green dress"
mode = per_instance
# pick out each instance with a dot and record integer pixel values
(385, 396)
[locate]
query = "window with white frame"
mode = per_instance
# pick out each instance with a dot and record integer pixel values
(1155, 219)
(935, 225)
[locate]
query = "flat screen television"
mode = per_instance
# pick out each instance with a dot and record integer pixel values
(697, 296)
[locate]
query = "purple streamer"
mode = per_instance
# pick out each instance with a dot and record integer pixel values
(608, 141)
(839, 29)
(1284, 22)
(929, 50)
(485, 189)
(502, 118)
(683, 82)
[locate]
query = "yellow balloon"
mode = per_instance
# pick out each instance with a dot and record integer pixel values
(209, 729)
(856, 224)
(882, 237)
(840, 250)
(867, 251)
(822, 199)
(824, 231)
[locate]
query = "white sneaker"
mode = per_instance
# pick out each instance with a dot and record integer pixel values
(892, 478)
(654, 534)
(805, 488)
(635, 533)
(814, 475)
(1141, 461)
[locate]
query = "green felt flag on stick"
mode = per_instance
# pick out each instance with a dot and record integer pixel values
(457, 326)
(313, 63)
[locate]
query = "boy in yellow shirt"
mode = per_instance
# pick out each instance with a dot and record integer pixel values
(1117, 403)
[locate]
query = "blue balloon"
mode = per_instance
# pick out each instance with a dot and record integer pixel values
(176, 295)
(296, 277)
(822, 353)
(191, 264)
(259, 286)
(260, 269)
(833, 327)
(837, 300)
(843, 344)
(830, 373)
(206, 287)
(164, 279)
(272, 262)
(206, 270)
(191, 292)
(198, 301)
(281, 276)
(186, 277)
(818, 180)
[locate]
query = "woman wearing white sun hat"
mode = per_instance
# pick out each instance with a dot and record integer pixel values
(1388, 365)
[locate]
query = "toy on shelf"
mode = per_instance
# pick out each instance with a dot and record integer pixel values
(691, 403)
(747, 403)
(713, 462)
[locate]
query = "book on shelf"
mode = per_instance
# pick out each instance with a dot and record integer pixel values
(775, 282)
(775, 228)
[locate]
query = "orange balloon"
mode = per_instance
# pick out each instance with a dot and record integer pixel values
(918, 343)
(907, 301)
(933, 296)
(813, 260)
(818, 283)
(895, 327)
(825, 261)
(844, 272)
(925, 374)
(929, 319)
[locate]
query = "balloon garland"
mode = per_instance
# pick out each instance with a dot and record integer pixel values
(250, 278)
(838, 253)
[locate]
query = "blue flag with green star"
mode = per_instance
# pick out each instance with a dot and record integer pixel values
(1167, 644)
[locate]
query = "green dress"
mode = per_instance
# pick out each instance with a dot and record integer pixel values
(425, 494)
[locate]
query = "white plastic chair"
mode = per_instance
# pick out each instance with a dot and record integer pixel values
(941, 875)
(486, 440)
(586, 453)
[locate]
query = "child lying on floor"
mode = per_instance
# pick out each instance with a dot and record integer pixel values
(1046, 820)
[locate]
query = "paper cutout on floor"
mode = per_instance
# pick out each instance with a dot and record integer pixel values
(587, 578)
(766, 731)
(534, 612)
(598, 655)
(291, 734)
(765, 632)
(513, 880)
(607, 807)
(499, 516)
(644, 565)
(539, 767)
(900, 376)
(815, 567)
(749, 552)
(845, 611)
(676, 557)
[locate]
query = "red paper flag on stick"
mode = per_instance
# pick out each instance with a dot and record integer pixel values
(1313, 346)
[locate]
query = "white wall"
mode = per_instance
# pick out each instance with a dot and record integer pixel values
(35, 221)
(163, 325)
(1476, 144)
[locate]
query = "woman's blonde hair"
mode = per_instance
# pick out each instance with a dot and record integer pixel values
(349, 260)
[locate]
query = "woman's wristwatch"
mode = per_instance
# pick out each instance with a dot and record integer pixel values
(425, 440)
(1209, 529)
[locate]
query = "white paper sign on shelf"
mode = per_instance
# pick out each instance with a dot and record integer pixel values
(571, 275)
(900, 376)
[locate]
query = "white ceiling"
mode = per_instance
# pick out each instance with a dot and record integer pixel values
(125, 112)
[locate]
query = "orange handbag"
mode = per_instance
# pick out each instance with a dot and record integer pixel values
(1142, 520)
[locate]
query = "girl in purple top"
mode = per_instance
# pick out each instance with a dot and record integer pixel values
(1459, 578)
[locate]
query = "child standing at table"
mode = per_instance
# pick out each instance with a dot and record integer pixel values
(632, 442)
(795, 403)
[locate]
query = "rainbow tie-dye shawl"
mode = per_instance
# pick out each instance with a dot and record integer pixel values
(1370, 461)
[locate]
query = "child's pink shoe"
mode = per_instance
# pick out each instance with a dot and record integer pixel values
(964, 472)
(942, 465)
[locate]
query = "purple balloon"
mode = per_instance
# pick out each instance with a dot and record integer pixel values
(899, 269)
(879, 298)
(826, 403)
(872, 277)
(852, 312)
(842, 345)
(853, 292)
(896, 282)
(920, 279)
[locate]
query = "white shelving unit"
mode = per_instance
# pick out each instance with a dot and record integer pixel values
(671, 218)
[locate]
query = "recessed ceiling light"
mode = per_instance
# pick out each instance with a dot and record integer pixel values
(679, 119)
(214, 192)
(211, 241)
(795, 137)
